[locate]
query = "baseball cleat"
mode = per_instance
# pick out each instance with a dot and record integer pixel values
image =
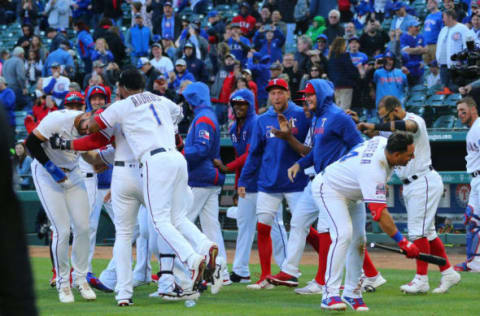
(86, 291)
(447, 281)
(357, 304)
(333, 303)
(312, 288)
(199, 266)
(283, 278)
(416, 286)
(261, 285)
(217, 278)
(235, 278)
(373, 282)
(97, 284)
(461, 267)
(125, 302)
(53, 280)
(65, 295)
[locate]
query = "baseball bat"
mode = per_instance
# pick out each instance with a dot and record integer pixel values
(422, 256)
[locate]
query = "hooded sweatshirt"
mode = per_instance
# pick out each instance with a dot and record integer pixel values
(313, 32)
(334, 132)
(270, 156)
(240, 135)
(203, 139)
(261, 74)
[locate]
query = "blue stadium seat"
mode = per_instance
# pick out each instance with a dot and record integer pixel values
(418, 88)
(458, 125)
(445, 121)
(436, 100)
(452, 99)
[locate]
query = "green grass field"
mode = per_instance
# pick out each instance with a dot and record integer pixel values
(237, 300)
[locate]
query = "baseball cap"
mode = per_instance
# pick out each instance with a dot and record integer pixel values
(138, 15)
(188, 44)
(3, 80)
(142, 61)
(235, 25)
(238, 99)
(74, 97)
(161, 78)
(231, 56)
(248, 71)
(354, 38)
(275, 66)
(212, 14)
(245, 4)
(167, 37)
(277, 83)
(413, 23)
(308, 89)
(181, 62)
(267, 28)
(322, 36)
(54, 65)
(156, 45)
(389, 55)
(98, 90)
(98, 63)
(398, 5)
(379, 56)
(168, 3)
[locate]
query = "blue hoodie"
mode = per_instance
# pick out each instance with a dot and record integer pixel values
(334, 132)
(241, 136)
(271, 156)
(261, 74)
(85, 44)
(203, 139)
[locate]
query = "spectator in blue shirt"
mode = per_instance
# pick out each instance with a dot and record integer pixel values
(7, 99)
(269, 41)
(181, 74)
(138, 39)
(102, 52)
(389, 80)
(412, 46)
(85, 44)
(238, 44)
(358, 58)
(260, 67)
(321, 45)
(22, 164)
(431, 28)
(401, 18)
(60, 56)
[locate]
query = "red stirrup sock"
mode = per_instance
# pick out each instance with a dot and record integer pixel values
(423, 246)
(264, 248)
(323, 247)
(313, 239)
(368, 267)
(438, 249)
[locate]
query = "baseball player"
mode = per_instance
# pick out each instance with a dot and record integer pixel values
(243, 104)
(422, 191)
(202, 145)
(147, 122)
(61, 190)
(271, 156)
(467, 113)
(334, 134)
(360, 175)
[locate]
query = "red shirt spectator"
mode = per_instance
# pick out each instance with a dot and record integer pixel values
(245, 20)
(39, 111)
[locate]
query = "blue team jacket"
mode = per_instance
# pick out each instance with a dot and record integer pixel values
(334, 132)
(272, 156)
(241, 136)
(203, 139)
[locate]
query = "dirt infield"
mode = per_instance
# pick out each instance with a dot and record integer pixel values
(381, 259)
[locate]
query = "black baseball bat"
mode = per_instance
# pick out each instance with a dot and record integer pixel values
(439, 261)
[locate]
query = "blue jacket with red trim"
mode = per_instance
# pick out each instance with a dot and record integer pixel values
(333, 131)
(203, 139)
(241, 135)
(85, 44)
(271, 156)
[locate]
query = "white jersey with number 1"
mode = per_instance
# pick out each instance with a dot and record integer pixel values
(361, 174)
(148, 121)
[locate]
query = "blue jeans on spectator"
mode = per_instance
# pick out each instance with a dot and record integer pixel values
(221, 110)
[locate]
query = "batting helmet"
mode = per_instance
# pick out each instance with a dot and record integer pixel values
(74, 98)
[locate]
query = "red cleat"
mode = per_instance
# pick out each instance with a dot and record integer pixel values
(283, 278)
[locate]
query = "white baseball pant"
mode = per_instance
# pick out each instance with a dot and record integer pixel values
(474, 202)
(268, 205)
(306, 212)
(246, 223)
(346, 220)
(205, 207)
(422, 197)
(66, 204)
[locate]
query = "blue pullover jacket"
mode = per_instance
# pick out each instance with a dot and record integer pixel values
(203, 139)
(271, 156)
(241, 136)
(334, 132)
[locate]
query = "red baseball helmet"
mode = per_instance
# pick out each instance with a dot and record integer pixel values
(74, 98)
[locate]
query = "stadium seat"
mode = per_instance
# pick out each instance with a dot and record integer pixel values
(418, 88)
(445, 121)
(452, 99)
(416, 99)
(458, 125)
(435, 100)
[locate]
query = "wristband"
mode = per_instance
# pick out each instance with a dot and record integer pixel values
(56, 173)
(386, 127)
(398, 237)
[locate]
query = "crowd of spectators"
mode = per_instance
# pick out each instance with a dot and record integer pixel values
(367, 48)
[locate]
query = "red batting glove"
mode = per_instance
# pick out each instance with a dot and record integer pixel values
(411, 251)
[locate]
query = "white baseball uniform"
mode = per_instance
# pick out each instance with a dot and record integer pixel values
(473, 165)
(422, 195)
(66, 203)
(340, 192)
(147, 123)
(62, 84)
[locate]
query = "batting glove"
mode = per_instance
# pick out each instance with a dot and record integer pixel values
(57, 142)
(411, 251)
